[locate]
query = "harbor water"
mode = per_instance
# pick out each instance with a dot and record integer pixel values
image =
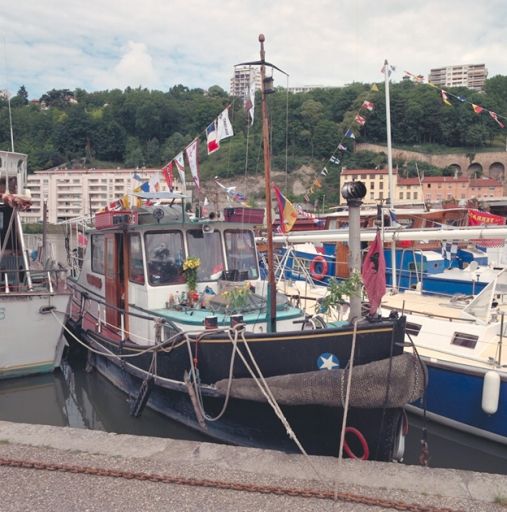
(72, 397)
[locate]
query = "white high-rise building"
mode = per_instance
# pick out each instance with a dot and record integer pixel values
(79, 192)
(240, 80)
(472, 76)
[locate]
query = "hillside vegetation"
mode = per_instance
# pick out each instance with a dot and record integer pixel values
(141, 127)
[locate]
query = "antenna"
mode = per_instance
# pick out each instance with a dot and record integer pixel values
(10, 121)
(8, 97)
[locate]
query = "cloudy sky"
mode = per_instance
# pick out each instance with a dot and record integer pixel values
(97, 45)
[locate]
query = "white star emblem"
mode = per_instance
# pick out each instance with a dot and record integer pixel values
(328, 363)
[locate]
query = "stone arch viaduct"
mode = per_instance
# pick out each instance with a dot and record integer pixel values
(492, 164)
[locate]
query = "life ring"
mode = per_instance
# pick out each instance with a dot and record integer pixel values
(362, 441)
(318, 276)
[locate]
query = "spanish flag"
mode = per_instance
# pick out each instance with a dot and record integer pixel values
(288, 214)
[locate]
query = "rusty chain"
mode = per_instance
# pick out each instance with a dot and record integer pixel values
(263, 489)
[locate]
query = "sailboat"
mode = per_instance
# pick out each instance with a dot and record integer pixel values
(175, 314)
(33, 304)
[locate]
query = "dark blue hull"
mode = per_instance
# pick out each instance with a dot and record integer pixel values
(251, 423)
(454, 395)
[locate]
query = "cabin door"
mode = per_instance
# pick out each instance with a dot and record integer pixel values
(114, 278)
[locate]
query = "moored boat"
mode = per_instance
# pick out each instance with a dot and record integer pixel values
(33, 303)
(462, 343)
(175, 314)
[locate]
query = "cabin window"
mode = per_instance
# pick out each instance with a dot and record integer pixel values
(164, 257)
(98, 254)
(208, 248)
(136, 265)
(241, 254)
(464, 340)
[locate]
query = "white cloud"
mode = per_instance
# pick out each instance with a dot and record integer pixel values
(135, 68)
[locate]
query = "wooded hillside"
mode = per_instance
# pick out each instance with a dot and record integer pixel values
(139, 127)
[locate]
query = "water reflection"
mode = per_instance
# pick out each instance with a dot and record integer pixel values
(72, 397)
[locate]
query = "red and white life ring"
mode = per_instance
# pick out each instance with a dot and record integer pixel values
(318, 260)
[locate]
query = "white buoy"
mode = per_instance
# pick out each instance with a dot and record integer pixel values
(491, 392)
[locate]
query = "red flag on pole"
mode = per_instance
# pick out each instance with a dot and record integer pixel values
(374, 273)
(167, 172)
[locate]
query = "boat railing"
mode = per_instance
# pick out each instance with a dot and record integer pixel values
(429, 315)
(16, 280)
(95, 297)
(292, 264)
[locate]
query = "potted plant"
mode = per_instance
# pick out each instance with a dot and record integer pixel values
(190, 266)
(338, 293)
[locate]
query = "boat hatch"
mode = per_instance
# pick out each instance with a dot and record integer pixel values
(463, 339)
(413, 329)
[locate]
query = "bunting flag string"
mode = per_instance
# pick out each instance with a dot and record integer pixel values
(337, 155)
(445, 98)
(193, 161)
(231, 192)
(287, 211)
(219, 129)
(167, 172)
(478, 109)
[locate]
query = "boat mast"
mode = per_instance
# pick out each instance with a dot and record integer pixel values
(271, 292)
(390, 203)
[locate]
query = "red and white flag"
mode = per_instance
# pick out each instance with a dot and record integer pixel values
(211, 138)
(167, 172)
(368, 105)
(193, 161)
(360, 120)
(495, 117)
(374, 273)
(180, 165)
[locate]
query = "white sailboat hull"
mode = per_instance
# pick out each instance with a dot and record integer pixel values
(31, 338)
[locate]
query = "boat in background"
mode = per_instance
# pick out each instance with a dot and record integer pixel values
(462, 341)
(33, 302)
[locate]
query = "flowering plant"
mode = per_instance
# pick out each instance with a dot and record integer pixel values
(237, 298)
(190, 266)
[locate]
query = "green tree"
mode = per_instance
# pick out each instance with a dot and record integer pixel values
(133, 153)
(153, 153)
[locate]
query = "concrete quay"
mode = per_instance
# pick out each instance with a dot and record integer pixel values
(223, 478)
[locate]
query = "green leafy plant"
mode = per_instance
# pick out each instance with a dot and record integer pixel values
(237, 298)
(339, 292)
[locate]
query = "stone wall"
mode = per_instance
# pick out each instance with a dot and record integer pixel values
(492, 164)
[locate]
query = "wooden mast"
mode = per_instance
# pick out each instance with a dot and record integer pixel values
(271, 292)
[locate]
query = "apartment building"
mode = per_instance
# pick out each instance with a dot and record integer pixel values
(430, 189)
(472, 76)
(77, 192)
(306, 88)
(241, 79)
(375, 180)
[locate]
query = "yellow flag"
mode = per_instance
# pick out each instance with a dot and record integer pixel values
(374, 88)
(125, 202)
